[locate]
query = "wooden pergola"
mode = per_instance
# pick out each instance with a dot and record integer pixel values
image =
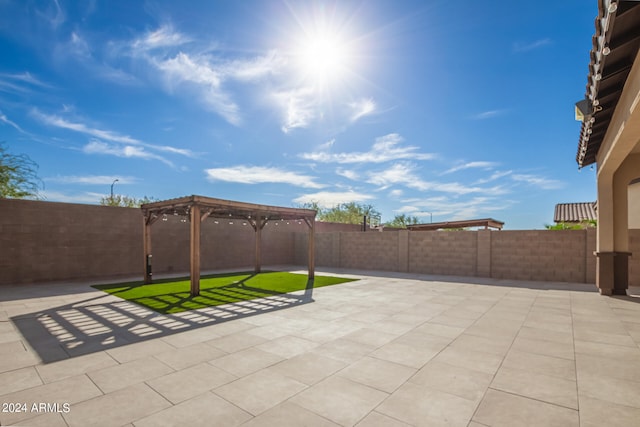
(199, 208)
(486, 223)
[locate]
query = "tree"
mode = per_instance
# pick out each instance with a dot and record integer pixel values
(346, 213)
(18, 176)
(401, 221)
(125, 201)
(572, 226)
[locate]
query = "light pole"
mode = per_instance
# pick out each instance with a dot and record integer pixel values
(430, 216)
(114, 181)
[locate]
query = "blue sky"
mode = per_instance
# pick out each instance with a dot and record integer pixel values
(461, 110)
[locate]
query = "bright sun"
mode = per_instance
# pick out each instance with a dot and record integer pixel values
(323, 57)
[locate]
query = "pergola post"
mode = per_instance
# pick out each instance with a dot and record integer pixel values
(146, 243)
(312, 233)
(195, 250)
(258, 230)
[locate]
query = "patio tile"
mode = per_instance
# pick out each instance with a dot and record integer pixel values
(616, 352)
(598, 413)
(246, 362)
(123, 406)
(494, 345)
(289, 414)
(440, 330)
(463, 382)
(606, 367)
(70, 390)
(448, 320)
(474, 360)
(236, 342)
(287, 346)
(182, 385)
(226, 328)
(71, 367)
(308, 368)
(424, 406)
(344, 350)
(19, 379)
(184, 357)
(260, 391)
(191, 337)
(204, 410)
(391, 327)
(547, 348)
(376, 419)
(605, 338)
(558, 391)
(504, 409)
(537, 333)
(379, 374)
(370, 336)
(44, 420)
(130, 352)
(609, 389)
(404, 354)
(541, 364)
(16, 356)
(340, 400)
(127, 374)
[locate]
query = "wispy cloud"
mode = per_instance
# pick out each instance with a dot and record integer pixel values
(404, 174)
(451, 209)
(106, 135)
(347, 173)
(83, 197)
(471, 165)
(260, 175)
(19, 82)
(538, 181)
(386, 148)
(298, 108)
(527, 46)
(494, 176)
(489, 114)
(4, 119)
(163, 37)
(127, 151)
(328, 199)
(362, 108)
(92, 179)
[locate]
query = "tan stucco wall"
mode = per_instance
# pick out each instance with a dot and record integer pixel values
(634, 205)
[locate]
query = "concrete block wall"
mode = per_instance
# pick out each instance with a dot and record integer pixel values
(448, 253)
(47, 241)
(369, 251)
(557, 255)
(42, 241)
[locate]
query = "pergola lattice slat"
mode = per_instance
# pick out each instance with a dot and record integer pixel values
(199, 208)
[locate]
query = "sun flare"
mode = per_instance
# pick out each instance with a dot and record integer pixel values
(323, 57)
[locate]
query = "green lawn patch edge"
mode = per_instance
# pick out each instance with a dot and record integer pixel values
(167, 296)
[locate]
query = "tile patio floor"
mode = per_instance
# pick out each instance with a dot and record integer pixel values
(388, 350)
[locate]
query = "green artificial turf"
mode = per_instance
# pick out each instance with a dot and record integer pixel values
(172, 295)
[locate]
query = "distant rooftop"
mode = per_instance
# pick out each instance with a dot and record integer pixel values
(575, 212)
(486, 223)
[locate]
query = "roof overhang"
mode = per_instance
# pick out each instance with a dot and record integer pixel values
(615, 47)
